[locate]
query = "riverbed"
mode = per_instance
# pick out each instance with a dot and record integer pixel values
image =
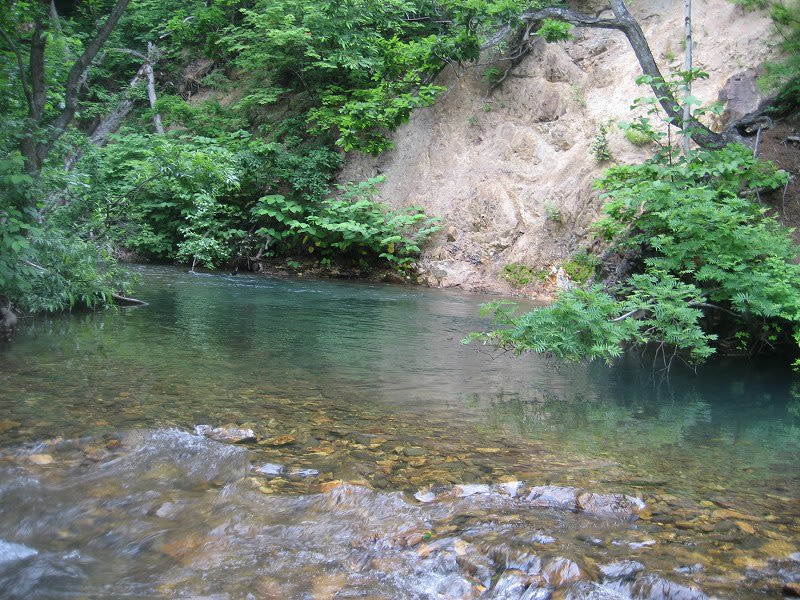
(387, 459)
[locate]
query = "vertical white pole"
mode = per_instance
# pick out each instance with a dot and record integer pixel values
(687, 108)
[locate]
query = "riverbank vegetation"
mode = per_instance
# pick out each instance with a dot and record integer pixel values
(212, 133)
(694, 263)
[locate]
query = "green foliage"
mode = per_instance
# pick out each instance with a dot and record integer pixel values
(637, 136)
(43, 267)
(710, 267)
(492, 75)
(581, 267)
(521, 275)
(294, 84)
(351, 225)
(553, 212)
(580, 325)
(599, 143)
(552, 30)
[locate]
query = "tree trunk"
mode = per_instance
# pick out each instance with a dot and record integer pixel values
(151, 86)
(35, 146)
(623, 21)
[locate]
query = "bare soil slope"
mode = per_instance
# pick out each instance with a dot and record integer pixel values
(512, 172)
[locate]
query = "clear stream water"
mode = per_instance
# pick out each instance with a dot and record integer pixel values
(362, 396)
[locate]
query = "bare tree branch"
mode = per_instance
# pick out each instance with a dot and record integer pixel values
(76, 72)
(151, 87)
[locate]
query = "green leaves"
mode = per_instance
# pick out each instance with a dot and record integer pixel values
(709, 267)
(552, 30)
(351, 225)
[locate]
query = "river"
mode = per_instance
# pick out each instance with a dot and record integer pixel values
(390, 460)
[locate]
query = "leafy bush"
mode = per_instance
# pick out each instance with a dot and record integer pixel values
(553, 212)
(709, 267)
(582, 266)
(522, 275)
(599, 143)
(351, 225)
(635, 136)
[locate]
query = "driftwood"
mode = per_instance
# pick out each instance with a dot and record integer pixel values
(121, 300)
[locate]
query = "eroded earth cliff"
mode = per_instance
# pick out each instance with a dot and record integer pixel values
(511, 171)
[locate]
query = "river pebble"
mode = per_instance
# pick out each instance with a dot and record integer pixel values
(10, 551)
(231, 434)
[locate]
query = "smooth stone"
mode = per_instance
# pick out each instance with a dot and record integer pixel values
(303, 473)
(562, 570)
(470, 489)
(537, 593)
(541, 538)
(592, 541)
(425, 550)
(642, 544)
(527, 563)
(425, 497)
(618, 505)
(655, 587)
(512, 488)
(41, 459)
(168, 510)
(10, 551)
(589, 590)
(281, 440)
(625, 569)
(689, 569)
(791, 589)
(271, 470)
(511, 585)
(795, 556)
(474, 563)
(228, 433)
(552, 496)
(414, 452)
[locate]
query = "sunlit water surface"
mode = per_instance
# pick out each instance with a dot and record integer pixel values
(106, 492)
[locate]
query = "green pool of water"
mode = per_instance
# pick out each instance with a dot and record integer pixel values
(370, 384)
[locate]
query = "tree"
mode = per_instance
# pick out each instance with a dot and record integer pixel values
(625, 22)
(44, 127)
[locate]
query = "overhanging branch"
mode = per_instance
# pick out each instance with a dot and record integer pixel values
(623, 21)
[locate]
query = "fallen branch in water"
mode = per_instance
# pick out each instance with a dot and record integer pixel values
(126, 301)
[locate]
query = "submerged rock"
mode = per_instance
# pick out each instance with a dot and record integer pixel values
(470, 489)
(512, 585)
(617, 505)
(586, 590)
(425, 497)
(41, 459)
(563, 570)
(271, 470)
(303, 473)
(791, 589)
(689, 569)
(415, 451)
(226, 433)
(655, 587)
(512, 488)
(10, 551)
(625, 569)
(281, 440)
(541, 538)
(553, 496)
